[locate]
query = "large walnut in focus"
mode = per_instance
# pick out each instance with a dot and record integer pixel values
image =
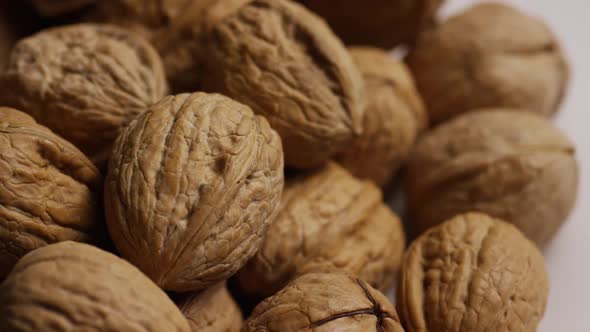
(191, 186)
(52, 8)
(489, 56)
(212, 310)
(328, 221)
(286, 64)
(324, 302)
(75, 287)
(49, 191)
(84, 82)
(473, 273)
(393, 118)
(515, 166)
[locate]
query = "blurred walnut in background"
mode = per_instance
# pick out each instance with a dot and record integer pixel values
(50, 8)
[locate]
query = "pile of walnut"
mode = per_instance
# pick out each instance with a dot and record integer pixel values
(220, 165)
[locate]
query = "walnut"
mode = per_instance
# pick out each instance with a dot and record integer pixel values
(71, 286)
(285, 63)
(323, 302)
(212, 310)
(382, 23)
(515, 166)
(472, 273)
(49, 191)
(51, 8)
(191, 186)
(489, 56)
(84, 82)
(393, 118)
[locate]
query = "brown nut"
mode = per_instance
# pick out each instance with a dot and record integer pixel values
(71, 286)
(191, 186)
(489, 56)
(50, 8)
(49, 191)
(393, 118)
(515, 166)
(212, 310)
(381, 23)
(328, 221)
(84, 82)
(473, 273)
(323, 302)
(285, 63)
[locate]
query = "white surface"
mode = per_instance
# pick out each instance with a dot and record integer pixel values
(568, 256)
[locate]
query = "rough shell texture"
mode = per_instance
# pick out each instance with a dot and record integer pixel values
(489, 56)
(84, 82)
(49, 191)
(191, 187)
(472, 274)
(322, 302)
(512, 165)
(71, 286)
(285, 63)
(59, 7)
(213, 310)
(393, 118)
(328, 221)
(381, 23)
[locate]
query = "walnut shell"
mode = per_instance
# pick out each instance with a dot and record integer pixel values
(473, 273)
(191, 186)
(84, 82)
(285, 63)
(50, 8)
(323, 302)
(71, 286)
(49, 191)
(212, 310)
(328, 221)
(489, 56)
(515, 166)
(393, 118)
(381, 23)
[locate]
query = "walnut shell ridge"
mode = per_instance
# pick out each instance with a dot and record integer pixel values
(512, 165)
(212, 310)
(72, 286)
(472, 273)
(49, 191)
(191, 186)
(491, 55)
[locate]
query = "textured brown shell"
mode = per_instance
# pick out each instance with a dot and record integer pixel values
(515, 166)
(328, 221)
(71, 286)
(473, 273)
(49, 191)
(191, 186)
(285, 63)
(52, 8)
(393, 118)
(489, 56)
(381, 23)
(84, 82)
(212, 310)
(322, 302)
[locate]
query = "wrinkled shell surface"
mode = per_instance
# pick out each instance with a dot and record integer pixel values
(76, 287)
(321, 302)
(393, 118)
(489, 56)
(381, 23)
(213, 310)
(59, 7)
(191, 187)
(328, 221)
(84, 82)
(515, 166)
(285, 63)
(472, 274)
(49, 191)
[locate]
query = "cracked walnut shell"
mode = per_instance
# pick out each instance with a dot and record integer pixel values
(191, 186)
(472, 273)
(212, 310)
(49, 191)
(71, 286)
